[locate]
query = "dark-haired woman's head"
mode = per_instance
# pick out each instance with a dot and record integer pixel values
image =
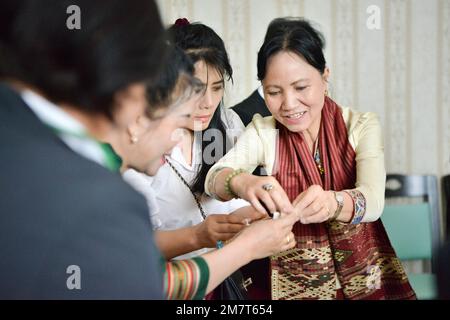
(212, 67)
(293, 71)
(175, 83)
(119, 44)
(172, 96)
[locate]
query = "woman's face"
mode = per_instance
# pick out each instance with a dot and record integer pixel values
(209, 101)
(144, 143)
(294, 91)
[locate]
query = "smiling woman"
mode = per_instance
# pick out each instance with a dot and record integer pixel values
(174, 95)
(326, 164)
(62, 93)
(283, 88)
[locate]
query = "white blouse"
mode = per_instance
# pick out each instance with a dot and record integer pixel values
(171, 203)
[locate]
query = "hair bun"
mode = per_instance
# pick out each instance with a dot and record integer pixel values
(182, 22)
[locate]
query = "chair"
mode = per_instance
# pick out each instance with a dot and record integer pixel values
(414, 229)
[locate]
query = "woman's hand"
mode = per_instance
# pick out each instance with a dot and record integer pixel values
(315, 205)
(218, 227)
(247, 215)
(260, 191)
(268, 237)
(260, 239)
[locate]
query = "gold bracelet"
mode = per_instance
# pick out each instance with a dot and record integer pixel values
(228, 189)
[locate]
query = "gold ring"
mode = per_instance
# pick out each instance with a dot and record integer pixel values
(288, 239)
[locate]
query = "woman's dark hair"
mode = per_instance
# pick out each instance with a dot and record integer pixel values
(119, 43)
(201, 43)
(177, 71)
(296, 35)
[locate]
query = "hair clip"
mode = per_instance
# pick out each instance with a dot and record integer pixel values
(182, 22)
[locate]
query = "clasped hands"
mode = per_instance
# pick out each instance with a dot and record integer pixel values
(314, 205)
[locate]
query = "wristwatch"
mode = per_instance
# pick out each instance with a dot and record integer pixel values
(340, 204)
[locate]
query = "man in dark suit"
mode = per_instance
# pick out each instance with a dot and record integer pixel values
(69, 227)
(252, 105)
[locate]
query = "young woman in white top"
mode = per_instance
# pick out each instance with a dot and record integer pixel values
(187, 222)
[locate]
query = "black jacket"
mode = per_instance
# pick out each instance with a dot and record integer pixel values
(58, 209)
(252, 105)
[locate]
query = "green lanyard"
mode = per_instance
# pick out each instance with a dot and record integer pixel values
(112, 161)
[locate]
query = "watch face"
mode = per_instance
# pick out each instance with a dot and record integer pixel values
(339, 197)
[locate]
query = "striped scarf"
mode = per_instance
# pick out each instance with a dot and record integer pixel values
(360, 255)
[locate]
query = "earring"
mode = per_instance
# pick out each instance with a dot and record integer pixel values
(326, 92)
(134, 139)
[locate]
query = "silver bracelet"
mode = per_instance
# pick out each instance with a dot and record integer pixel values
(212, 183)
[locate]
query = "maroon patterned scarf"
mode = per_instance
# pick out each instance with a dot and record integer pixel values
(360, 255)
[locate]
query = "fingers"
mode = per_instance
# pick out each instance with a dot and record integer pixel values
(217, 225)
(308, 196)
(217, 218)
(266, 195)
(288, 220)
(256, 204)
(286, 245)
(314, 208)
(245, 215)
(299, 197)
(268, 237)
(281, 200)
(266, 198)
(318, 217)
(229, 227)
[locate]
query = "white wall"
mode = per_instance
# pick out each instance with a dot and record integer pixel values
(401, 72)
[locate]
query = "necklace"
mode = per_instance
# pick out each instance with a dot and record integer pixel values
(197, 200)
(318, 160)
(316, 154)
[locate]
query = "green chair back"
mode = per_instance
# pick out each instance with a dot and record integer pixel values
(409, 229)
(414, 229)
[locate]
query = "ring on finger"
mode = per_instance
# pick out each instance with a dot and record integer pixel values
(276, 215)
(267, 186)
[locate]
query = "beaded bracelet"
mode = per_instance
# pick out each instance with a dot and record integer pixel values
(219, 244)
(228, 189)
